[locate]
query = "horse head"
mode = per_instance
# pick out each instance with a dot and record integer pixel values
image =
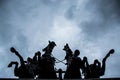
(66, 47)
(68, 50)
(48, 49)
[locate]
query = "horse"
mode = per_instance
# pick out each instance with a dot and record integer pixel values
(16, 66)
(48, 62)
(69, 54)
(95, 70)
(22, 71)
(48, 49)
(74, 63)
(48, 52)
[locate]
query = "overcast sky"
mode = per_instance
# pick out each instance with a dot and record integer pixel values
(92, 26)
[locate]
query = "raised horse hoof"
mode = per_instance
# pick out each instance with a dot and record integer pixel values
(12, 49)
(10, 65)
(111, 51)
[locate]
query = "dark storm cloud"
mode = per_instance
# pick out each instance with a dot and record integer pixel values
(102, 15)
(100, 23)
(10, 35)
(28, 25)
(24, 26)
(2, 2)
(51, 2)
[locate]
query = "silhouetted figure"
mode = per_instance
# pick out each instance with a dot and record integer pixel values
(37, 64)
(31, 66)
(48, 62)
(60, 74)
(48, 49)
(95, 70)
(22, 71)
(86, 69)
(37, 56)
(69, 54)
(73, 70)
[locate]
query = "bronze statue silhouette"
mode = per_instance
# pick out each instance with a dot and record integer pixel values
(37, 64)
(42, 67)
(69, 54)
(32, 67)
(91, 70)
(22, 71)
(37, 56)
(95, 70)
(60, 73)
(86, 69)
(73, 69)
(48, 49)
(48, 62)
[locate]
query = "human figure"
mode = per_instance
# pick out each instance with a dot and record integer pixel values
(95, 69)
(31, 67)
(33, 64)
(48, 62)
(60, 74)
(86, 69)
(37, 63)
(22, 71)
(37, 56)
(73, 70)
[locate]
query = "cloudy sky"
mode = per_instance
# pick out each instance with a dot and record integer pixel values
(92, 26)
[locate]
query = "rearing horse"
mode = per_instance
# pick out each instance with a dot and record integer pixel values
(48, 49)
(48, 62)
(69, 54)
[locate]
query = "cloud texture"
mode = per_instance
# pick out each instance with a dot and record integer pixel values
(92, 26)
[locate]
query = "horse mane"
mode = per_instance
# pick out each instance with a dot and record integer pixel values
(51, 44)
